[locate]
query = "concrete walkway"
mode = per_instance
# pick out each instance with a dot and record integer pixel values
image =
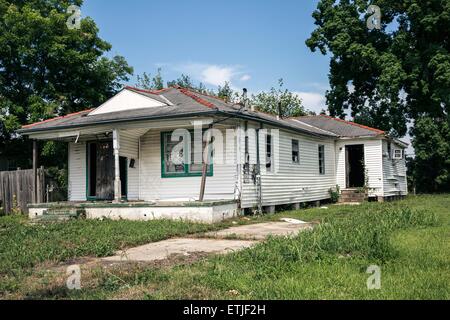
(248, 236)
(261, 231)
(184, 246)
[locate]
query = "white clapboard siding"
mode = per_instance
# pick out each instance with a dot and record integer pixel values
(153, 187)
(394, 173)
(292, 182)
(372, 160)
(77, 172)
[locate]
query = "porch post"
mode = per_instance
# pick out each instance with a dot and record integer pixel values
(117, 183)
(205, 164)
(35, 168)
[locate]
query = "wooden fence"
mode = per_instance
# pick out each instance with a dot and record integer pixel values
(16, 189)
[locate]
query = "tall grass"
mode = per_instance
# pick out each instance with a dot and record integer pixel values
(366, 234)
(22, 245)
(286, 268)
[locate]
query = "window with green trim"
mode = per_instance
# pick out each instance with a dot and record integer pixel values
(178, 156)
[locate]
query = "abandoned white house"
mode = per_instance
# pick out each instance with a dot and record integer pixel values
(121, 158)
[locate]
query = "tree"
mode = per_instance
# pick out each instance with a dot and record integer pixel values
(146, 82)
(388, 76)
(432, 161)
(366, 76)
(184, 81)
(225, 92)
(47, 69)
(268, 102)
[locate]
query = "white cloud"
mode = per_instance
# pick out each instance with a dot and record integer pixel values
(212, 74)
(217, 75)
(313, 101)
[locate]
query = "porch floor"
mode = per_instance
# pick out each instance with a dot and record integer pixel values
(131, 204)
(206, 211)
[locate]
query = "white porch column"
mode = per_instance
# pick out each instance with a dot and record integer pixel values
(117, 183)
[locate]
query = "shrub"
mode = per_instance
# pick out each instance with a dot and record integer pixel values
(335, 194)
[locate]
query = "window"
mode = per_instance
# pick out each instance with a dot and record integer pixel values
(269, 153)
(321, 159)
(173, 155)
(389, 150)
(247, 161)
(398, 154)
(178, 157)
(295, 152)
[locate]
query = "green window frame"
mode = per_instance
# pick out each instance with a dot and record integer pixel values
(187, 172)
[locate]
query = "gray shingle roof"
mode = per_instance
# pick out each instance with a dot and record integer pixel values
(340, 127)
(185, 103)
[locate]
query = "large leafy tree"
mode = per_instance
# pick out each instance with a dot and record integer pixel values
(431, 165)
(388, 76)
(47, 69)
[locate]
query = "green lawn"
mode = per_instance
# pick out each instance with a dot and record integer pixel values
(409, 240)
(25, 246)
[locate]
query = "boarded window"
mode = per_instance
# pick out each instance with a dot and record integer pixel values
(321, 159)
(295, 152)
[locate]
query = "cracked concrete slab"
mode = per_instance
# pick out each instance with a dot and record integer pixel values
(184, 246)
(261, 231)
(217, 242)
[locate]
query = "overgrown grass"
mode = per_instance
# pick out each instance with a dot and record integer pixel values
(409, 240)
(23, 245)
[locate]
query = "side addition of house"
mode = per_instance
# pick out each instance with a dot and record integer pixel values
(137, 157)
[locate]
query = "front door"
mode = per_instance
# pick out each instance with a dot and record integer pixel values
(100, 171)
(355, 167)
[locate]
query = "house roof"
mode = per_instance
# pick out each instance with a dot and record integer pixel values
(180, 103)
(340, 127)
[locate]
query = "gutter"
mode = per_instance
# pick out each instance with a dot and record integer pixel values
(84, 125)
(177, 116)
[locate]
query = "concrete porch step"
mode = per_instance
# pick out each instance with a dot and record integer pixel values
(60, 215)
(352, 196)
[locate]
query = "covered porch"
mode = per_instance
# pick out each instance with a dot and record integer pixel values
(125, 172)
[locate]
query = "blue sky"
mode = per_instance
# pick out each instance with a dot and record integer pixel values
(248, 43)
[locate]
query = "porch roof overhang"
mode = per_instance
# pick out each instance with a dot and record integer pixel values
(69, 131)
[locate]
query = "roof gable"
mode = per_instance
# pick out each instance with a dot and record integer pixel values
(128, 99)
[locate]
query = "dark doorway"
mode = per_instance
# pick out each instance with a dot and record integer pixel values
(123, 176)
(100, 171)
(355, 167)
